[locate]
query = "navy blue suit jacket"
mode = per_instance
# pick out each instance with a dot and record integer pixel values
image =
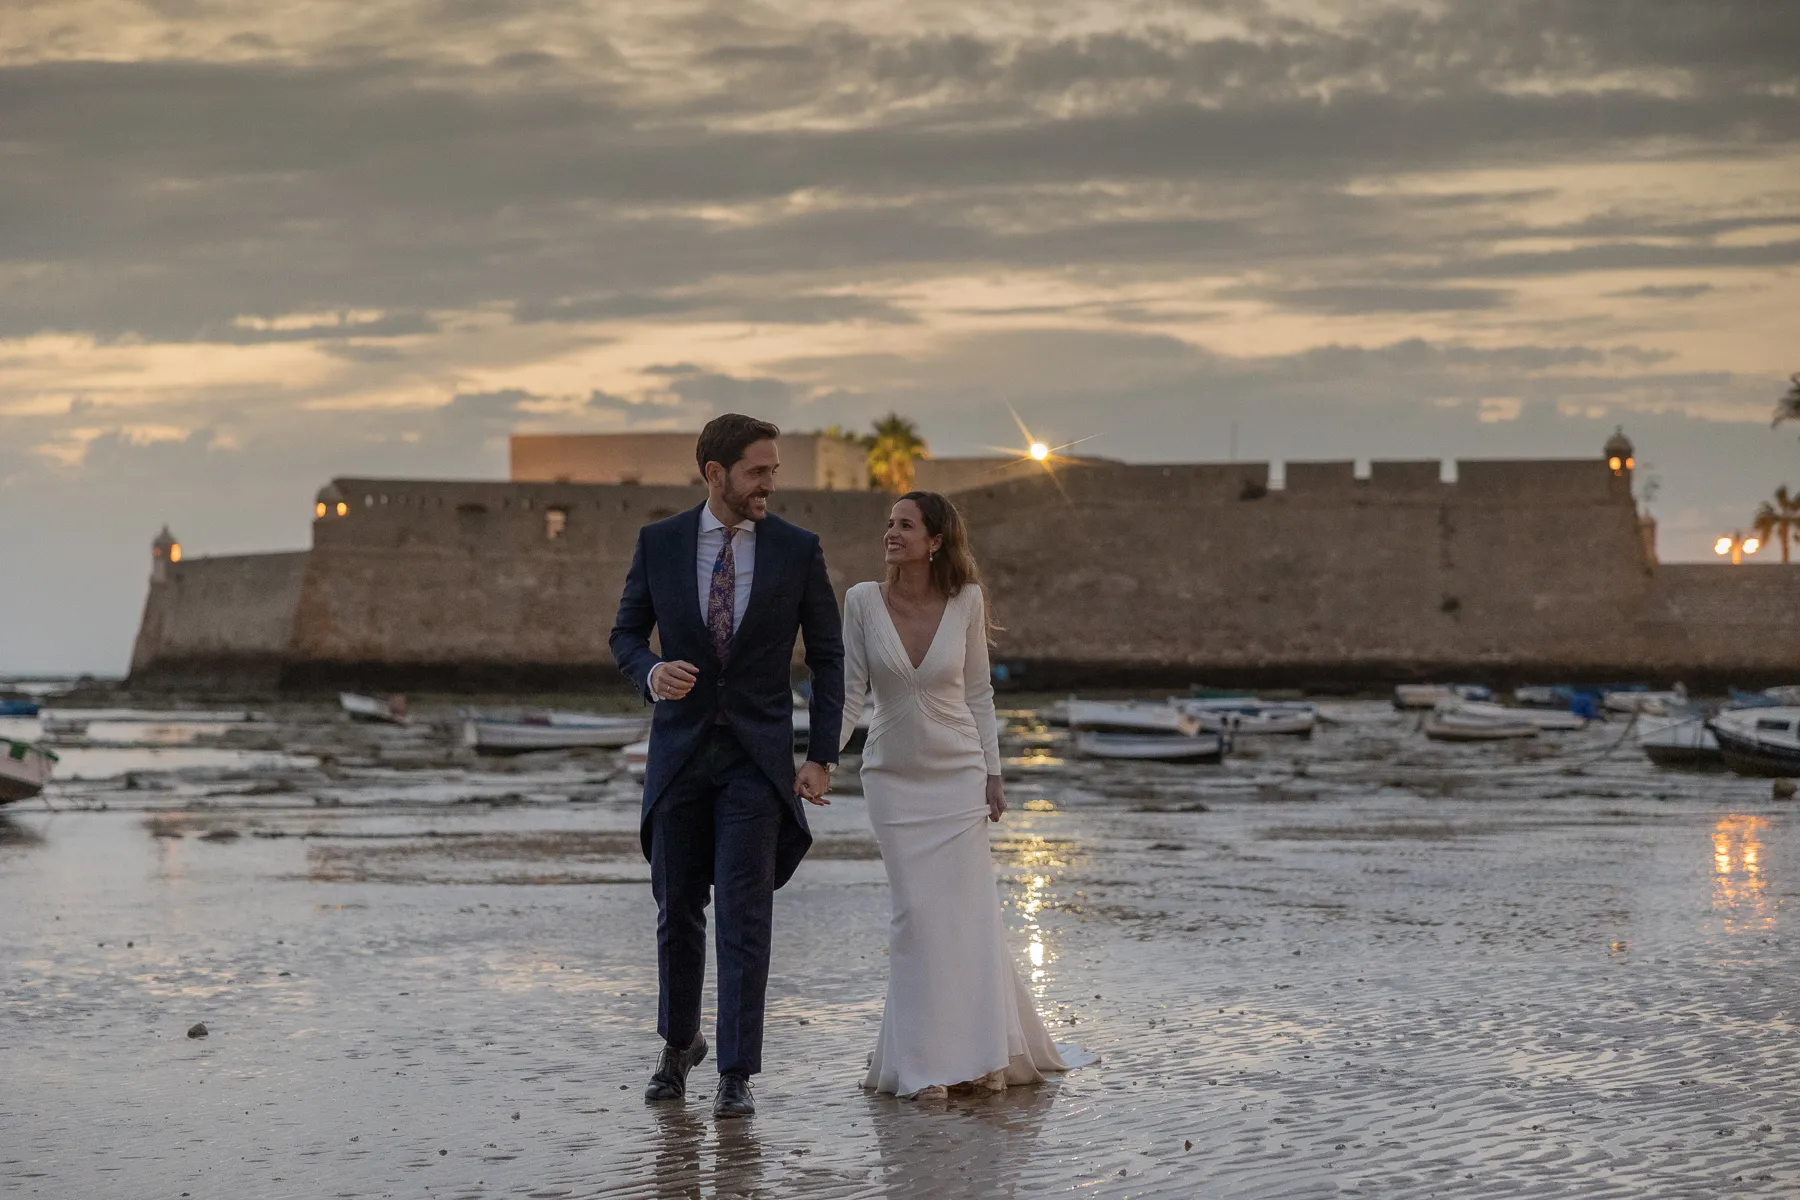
(789, 594)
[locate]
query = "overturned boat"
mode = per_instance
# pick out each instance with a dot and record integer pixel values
(1760, 741)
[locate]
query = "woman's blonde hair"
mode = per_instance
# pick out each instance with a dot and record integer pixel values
(953, 567)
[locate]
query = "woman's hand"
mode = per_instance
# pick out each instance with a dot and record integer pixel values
(996, 798)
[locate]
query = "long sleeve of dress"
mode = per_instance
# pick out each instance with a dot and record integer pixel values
(978, 683)
(856, 667)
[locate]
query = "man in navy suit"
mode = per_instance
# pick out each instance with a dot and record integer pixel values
(728, 587)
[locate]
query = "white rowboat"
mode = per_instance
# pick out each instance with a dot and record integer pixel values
(382, 710)
(1430, 695)
(1546, 720)
(1201, 748)
(551, 731)
(1453, 727)
(1129, 716)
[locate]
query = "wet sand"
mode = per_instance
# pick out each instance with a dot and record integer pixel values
(1361, 965)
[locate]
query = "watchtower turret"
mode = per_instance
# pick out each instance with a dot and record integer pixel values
(163, 551)
(1619, 452)
(330, 502)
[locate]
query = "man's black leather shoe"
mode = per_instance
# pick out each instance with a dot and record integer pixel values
(734, 1099)
(670, 1080)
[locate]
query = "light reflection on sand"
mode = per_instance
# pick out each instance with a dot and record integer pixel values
(1740, 885)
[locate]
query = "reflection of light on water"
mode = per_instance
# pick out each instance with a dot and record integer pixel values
(1032, 904)
(1739, 886)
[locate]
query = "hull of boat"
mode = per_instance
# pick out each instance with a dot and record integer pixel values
(488, 736)
(372, 709)
(1100, 717)
(1205, 748)
(24, 770)
(1441, 729)
(1746, 756)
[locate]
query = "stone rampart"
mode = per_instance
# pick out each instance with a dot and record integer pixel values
(1111, 574)
(464, 585)
(219, 623)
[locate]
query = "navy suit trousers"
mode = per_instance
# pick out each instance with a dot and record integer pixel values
(715, 827)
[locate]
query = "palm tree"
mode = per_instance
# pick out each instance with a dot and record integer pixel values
(893, 449)
(1788, 407)
(1782, 518)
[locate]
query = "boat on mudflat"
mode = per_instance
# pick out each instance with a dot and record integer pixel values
(1760, 741)
(1200, 748)
(1451, 726)
(1248, 716)
(551, 731)
(1430, 695)
(380, 710)
(1683, 744)
(1125, 716)
(1544, 720)
(24, 769)
(1656, 704)
(18, 708)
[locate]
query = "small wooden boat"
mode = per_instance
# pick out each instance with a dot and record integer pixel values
(24, 769)
(1430, 695)
(381, 710)
(1128, 716)
(1452, 726)
(551, 731)
(1546, 720)
(1683, 744)
(1199, 748)
(1760, 741)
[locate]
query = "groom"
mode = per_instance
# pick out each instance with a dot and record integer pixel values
(728, 587)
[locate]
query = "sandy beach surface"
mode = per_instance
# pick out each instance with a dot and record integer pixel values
(1357, 965)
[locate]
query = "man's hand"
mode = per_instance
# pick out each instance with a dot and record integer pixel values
(672, 680)
(996, 798)
(812, 783)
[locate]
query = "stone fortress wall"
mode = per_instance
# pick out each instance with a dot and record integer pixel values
(1106, 574)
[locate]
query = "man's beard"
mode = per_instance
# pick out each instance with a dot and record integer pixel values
(739, 502)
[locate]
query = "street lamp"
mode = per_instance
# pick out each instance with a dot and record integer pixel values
(1736, 545)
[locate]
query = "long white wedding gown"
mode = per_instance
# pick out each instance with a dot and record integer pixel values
(957, 1010)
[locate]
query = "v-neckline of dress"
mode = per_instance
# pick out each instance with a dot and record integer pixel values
(905, 654)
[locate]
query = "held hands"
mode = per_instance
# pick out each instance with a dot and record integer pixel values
(673, 680)
(812, 783)
(996, 798)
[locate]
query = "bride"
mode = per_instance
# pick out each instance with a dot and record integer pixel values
(957, 1012)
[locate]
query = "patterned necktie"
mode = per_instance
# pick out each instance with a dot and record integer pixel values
(721, 597)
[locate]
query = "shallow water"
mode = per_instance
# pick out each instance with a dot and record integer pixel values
(1363, 964)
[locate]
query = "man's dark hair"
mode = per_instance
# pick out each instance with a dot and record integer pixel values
(725, 439)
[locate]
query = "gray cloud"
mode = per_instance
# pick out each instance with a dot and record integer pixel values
(946, 222)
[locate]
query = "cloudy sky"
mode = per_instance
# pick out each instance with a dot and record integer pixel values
(245, 247)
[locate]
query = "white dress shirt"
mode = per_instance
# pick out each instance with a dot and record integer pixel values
(743, 557)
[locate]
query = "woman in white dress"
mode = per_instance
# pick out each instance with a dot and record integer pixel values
(957, 1011)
